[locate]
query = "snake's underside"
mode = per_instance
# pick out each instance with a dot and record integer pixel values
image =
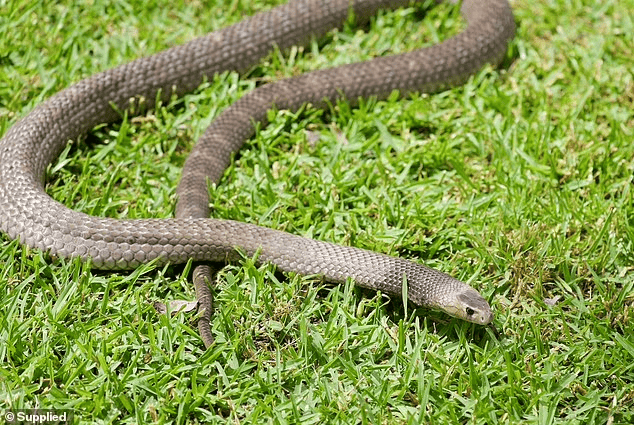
(27, 213)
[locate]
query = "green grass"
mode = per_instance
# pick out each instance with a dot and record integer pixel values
(519, 182)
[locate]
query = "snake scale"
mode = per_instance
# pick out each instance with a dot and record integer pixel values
(30, 215)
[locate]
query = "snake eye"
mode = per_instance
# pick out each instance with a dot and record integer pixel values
(470, 312)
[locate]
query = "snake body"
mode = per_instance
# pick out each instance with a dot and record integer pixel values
(30, 215)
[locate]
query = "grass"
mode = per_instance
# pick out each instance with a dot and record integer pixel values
(518, 182)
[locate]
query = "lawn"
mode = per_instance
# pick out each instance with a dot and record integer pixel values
(518, 182)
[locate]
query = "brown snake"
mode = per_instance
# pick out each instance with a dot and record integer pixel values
(30, 215)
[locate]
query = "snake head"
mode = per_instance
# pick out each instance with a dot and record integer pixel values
(467, 304)
(437, 290)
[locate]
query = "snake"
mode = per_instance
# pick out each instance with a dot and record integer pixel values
(31, 216)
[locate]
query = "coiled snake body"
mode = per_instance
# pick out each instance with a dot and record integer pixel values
(27, 213)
